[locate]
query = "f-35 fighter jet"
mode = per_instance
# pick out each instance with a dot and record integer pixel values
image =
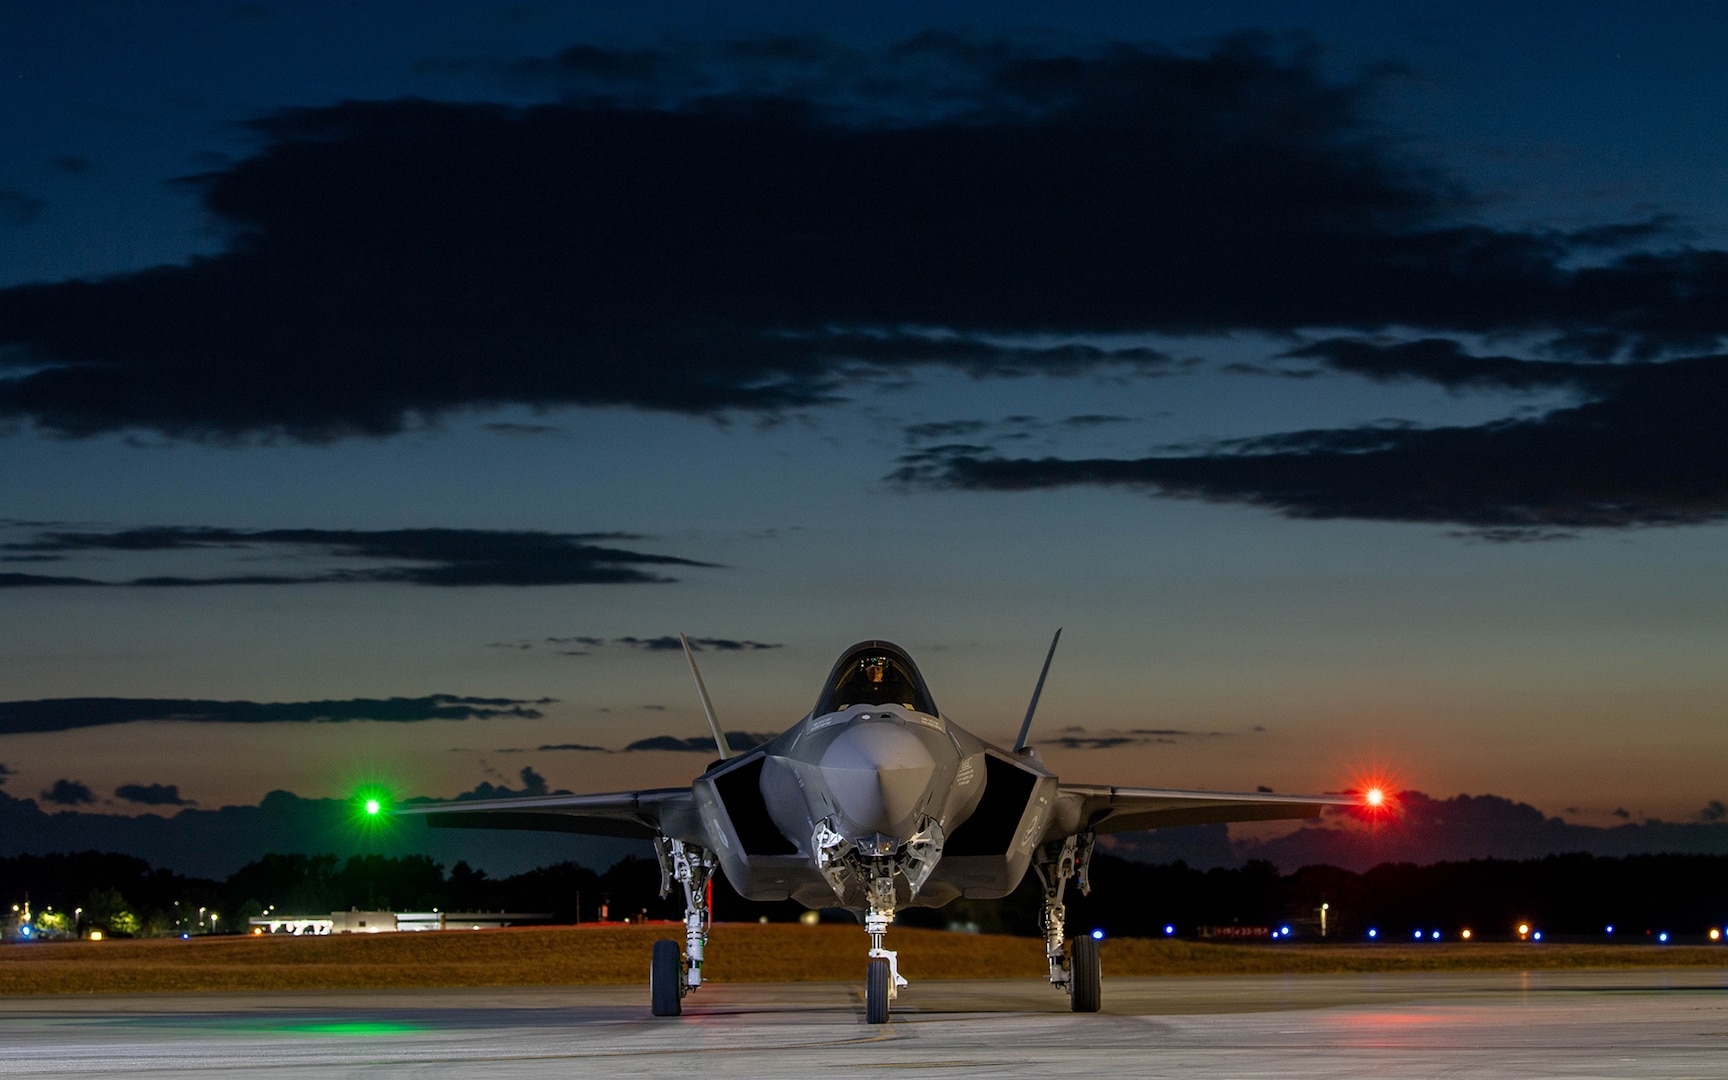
(875, 802)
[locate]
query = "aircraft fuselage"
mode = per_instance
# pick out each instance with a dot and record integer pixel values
(874, 785)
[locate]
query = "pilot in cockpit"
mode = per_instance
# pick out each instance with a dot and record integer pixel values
(876, 680)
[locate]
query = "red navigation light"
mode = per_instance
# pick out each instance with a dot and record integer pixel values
(1375, 788)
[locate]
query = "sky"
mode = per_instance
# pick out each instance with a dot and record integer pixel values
(383, 387)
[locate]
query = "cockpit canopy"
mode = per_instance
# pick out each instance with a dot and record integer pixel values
(874, 673)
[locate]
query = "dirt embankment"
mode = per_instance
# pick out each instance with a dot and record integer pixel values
(555, 956)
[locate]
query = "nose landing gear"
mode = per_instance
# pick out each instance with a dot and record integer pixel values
(882, 981)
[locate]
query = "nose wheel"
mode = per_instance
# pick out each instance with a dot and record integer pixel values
(878, 988)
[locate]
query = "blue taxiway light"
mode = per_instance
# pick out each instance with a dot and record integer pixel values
(1663, 936)
(1097, 935)
(1169, 931)
(1373, 933)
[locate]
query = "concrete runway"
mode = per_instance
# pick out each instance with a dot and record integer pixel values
(1625, 1025)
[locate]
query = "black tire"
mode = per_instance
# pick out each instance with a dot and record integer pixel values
(1086, 977)
(664, 977)
(877, 983)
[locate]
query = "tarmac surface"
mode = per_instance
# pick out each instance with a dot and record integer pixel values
(1621, 1024)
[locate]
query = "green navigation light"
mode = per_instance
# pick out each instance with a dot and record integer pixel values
(370, 807)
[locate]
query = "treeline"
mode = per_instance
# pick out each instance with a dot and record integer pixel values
(123, 895)
(1564, 895)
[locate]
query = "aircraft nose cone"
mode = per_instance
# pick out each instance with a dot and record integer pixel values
(877, 773)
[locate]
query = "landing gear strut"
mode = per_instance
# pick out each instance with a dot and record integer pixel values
(882, 981)
(1074, 969)
(671, 976)
(876, 860)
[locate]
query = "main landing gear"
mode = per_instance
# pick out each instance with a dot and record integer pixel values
(671, 976)
(1075, 968)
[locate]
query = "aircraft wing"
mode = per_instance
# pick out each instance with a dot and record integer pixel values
(1129, 809)
(634, 814)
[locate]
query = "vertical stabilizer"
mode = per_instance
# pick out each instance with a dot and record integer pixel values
(1026, 725)
(708, 706)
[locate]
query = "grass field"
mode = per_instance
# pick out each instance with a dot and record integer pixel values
(779, 952)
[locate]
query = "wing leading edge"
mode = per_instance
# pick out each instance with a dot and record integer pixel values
(633, 814)
(1128, 809)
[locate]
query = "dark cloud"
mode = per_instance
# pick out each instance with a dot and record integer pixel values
(1648, 448)
(532, 784)
(524, 429)
(65, 714)
(153, 795)
(1713, 811)
(670, 643)
(945, 429)
(735, 740)
(444, 557)
(1089, 420)
(26, 581)
(1427, 830)
(68, 793)
(1444, 362)
(74, 164)
(1006, 429)
(578, 746)
(18, 208)
(5, 772)
(1078, 738)
(749, 226)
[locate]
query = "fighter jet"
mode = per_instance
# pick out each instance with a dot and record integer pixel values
(875, 802)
